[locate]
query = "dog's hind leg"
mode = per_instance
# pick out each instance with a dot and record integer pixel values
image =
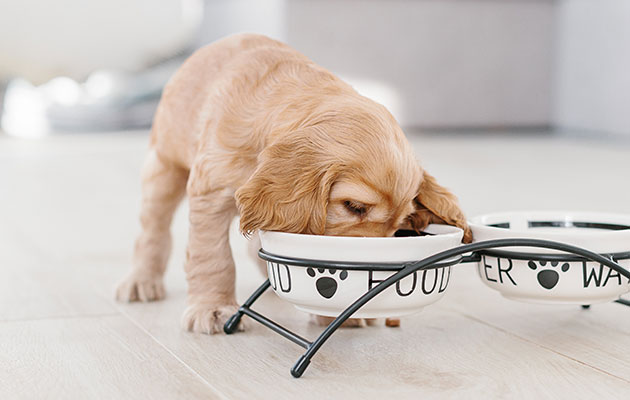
(163, 187)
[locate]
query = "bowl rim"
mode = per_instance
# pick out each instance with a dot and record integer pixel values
(362, 249)
(480, 223)
(454, 231)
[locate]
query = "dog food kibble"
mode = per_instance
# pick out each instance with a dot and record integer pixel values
(392, 322)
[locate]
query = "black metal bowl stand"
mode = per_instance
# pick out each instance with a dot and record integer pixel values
(443, 259)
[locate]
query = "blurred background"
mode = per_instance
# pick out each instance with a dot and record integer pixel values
(552, 65)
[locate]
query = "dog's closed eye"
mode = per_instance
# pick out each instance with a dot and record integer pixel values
(356, 208)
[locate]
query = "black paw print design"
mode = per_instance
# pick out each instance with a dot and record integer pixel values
(326, 285)
(548, 278)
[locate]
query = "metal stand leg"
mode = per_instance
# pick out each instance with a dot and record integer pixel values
(623, 301)
(232, 323)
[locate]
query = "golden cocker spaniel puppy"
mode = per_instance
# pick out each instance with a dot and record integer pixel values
(248, 126)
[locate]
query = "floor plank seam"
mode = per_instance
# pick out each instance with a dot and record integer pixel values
(175, 356)
(545, 347)
(58, 317)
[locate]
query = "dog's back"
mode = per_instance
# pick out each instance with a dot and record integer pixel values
(187, 104)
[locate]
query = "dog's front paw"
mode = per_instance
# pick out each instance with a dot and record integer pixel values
(209, 318)
(140, 288)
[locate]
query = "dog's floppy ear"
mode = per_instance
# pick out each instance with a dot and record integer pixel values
(289, 189)
(435, 204)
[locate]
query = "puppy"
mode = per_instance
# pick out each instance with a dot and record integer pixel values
(250, 126)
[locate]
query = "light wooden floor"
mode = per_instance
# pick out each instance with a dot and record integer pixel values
(68, 218)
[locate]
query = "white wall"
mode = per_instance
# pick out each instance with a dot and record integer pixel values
(592, 74)
(437, 63)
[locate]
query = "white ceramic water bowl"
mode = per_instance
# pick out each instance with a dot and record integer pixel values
(328, 292)
(562, 281)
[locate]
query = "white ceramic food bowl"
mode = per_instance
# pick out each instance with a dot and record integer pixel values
(517, 273)
(327, 291)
